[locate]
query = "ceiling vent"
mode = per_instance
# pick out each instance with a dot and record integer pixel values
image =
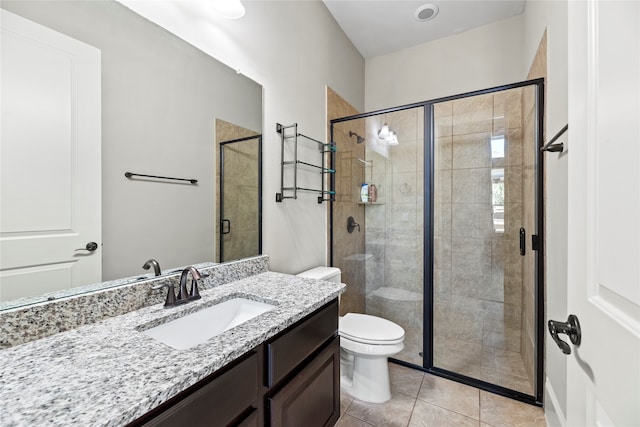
(426, 12)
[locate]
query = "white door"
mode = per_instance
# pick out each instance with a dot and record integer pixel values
(603, 379)
(50, 199)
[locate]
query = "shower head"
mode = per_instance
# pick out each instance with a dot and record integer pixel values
(359, 139)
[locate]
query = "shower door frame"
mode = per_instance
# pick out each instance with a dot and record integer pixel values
(222, 145)
(428, 366)
(428, 287)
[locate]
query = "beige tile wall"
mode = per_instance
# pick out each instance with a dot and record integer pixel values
(348, 248)
(538, 70)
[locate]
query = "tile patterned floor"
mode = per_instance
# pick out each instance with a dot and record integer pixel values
(496, 366)
(424, 400)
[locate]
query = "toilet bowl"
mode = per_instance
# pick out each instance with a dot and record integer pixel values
(366, 342)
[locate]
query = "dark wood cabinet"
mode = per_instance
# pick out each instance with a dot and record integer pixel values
(311, 398)
(293, 379)
(219, 402)
(288, 350)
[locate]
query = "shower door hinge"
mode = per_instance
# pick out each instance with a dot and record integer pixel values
(535, 244)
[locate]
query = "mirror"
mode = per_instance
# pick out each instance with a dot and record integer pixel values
(166, 107)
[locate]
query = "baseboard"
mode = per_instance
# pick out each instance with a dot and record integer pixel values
(553, 413)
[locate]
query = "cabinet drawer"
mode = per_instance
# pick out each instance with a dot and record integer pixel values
(251, 420)
(287, 351)
(312, 398)
(217, 403)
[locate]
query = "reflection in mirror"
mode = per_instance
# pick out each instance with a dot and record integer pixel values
(158, 102)
(239, 178)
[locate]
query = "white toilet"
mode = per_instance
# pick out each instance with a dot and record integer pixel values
(365, 344)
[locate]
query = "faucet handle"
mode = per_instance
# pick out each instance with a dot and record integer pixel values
(194, 294)
(171, 295)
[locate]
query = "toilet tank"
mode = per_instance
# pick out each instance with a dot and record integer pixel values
(330, 274)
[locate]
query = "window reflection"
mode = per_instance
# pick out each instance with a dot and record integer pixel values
(497, 184)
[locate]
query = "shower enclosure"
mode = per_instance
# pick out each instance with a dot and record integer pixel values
(239, 198)
(451, 248)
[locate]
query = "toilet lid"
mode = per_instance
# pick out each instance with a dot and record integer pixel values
(368, 329)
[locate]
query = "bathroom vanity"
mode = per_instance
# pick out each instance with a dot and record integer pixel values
(280, 368)
(293, 379)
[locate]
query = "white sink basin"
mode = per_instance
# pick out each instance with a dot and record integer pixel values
(196, 328)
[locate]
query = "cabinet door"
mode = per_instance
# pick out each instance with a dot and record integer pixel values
(312, 398)
(287, 351)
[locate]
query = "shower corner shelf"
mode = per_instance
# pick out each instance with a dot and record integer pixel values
(370, 203)
(289, 134)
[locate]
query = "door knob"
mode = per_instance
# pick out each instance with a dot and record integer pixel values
(571, 328)
(91, 246)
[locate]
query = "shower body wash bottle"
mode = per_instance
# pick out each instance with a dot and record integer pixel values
(373, 193)
(364, 193)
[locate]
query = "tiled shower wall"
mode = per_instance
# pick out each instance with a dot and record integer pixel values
(348, 248)
(241, 192)
(394, 226)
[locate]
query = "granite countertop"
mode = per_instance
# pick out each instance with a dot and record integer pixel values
(109, 374)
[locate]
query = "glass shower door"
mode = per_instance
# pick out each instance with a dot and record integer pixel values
(484, 216)
(382, 260)
(239, 201)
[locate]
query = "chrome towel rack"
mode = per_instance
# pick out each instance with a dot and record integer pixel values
(131, 174)
(554, 146)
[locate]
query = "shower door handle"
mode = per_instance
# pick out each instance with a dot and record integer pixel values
(571, 328)
(523, 241)
(222, 223)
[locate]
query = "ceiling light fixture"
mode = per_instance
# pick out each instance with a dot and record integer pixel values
(384, 131)
(231, 9)
(426, 12)
(393, 138)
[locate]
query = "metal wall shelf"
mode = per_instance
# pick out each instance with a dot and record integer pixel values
(290, 135)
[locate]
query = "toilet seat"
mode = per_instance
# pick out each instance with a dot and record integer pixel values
(372, 330)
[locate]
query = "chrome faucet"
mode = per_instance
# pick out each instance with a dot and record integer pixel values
(156, 266)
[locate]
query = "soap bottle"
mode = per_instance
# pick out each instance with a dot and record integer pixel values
(373, 193)
(364, 193)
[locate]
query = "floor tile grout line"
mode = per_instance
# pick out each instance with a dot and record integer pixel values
(449, 409)
(413, 408)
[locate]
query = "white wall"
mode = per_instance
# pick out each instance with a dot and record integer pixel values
(552, 15)
(294, 49)
(480, 58)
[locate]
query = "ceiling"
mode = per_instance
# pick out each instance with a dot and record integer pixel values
(378, 27)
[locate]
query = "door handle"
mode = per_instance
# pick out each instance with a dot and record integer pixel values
(222, 226)
(571, 328)
(91, 246)
(522, 241)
